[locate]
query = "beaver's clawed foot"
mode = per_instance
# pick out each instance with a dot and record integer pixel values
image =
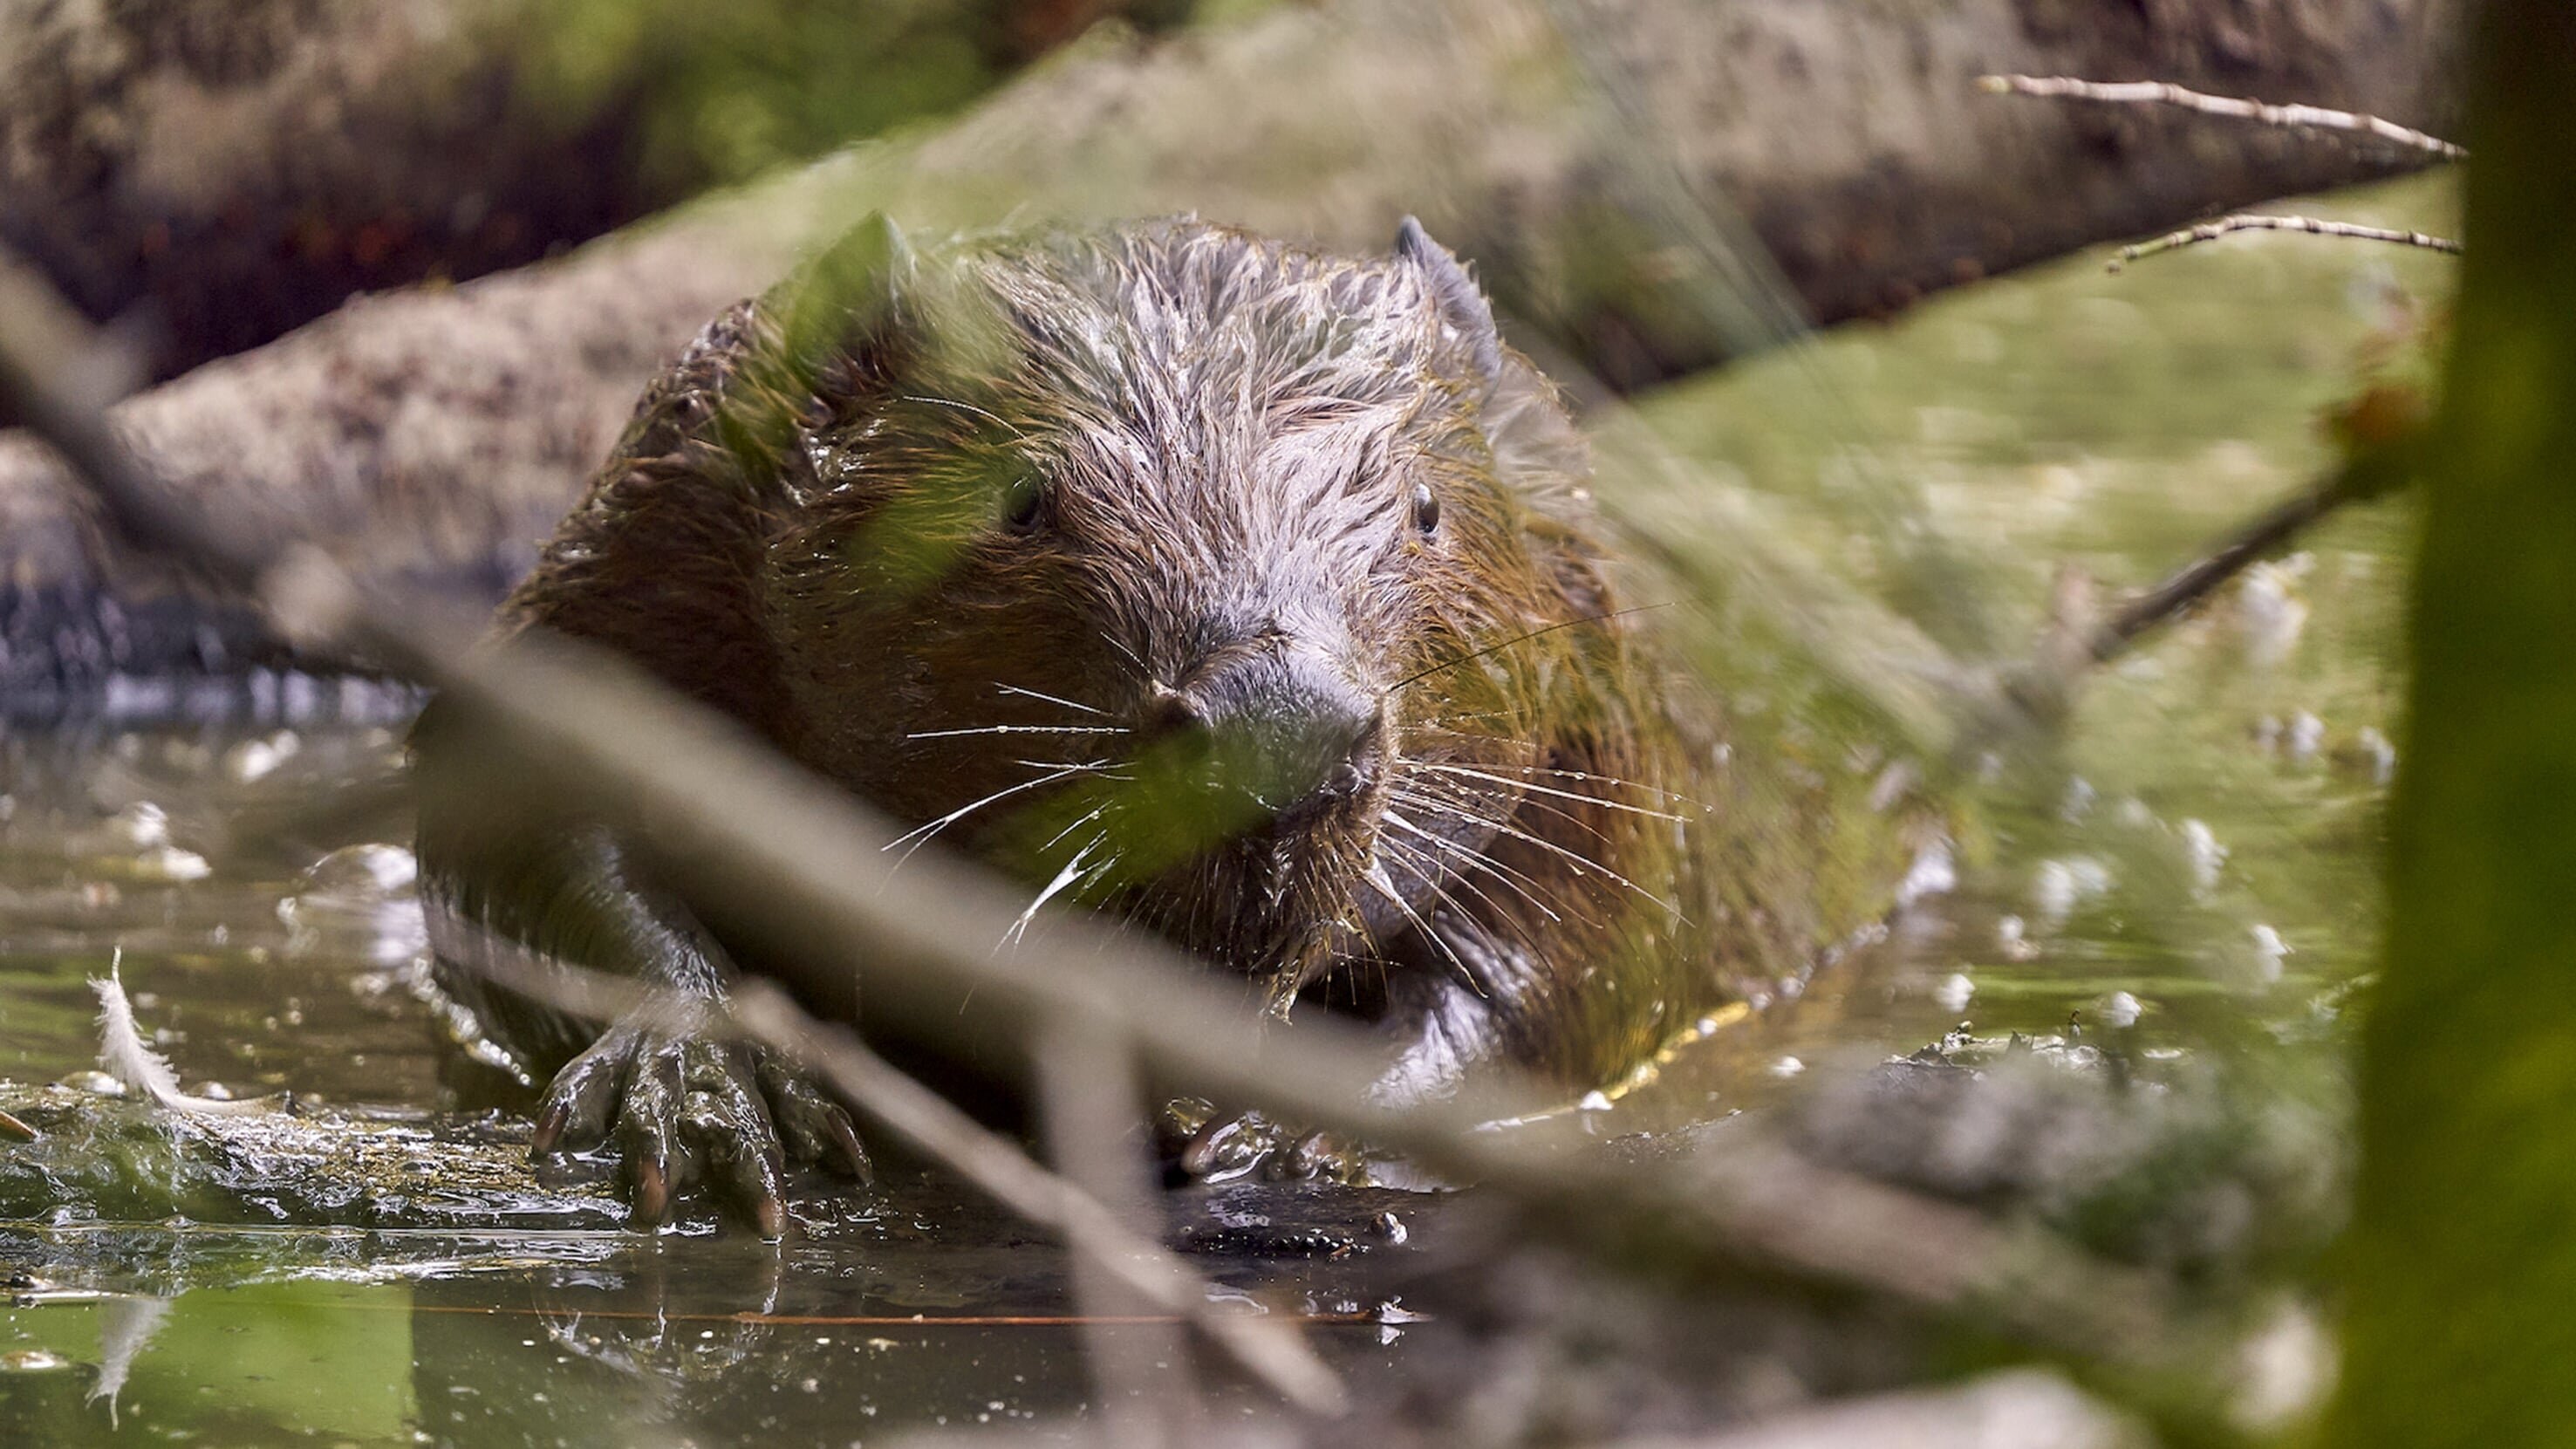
(686, 1109)
(1203, 1145)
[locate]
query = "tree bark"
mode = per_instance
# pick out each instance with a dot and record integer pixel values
(226, 170)
(1592, 156)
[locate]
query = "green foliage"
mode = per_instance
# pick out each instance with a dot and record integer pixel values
(723, 92)
(2463, 1264)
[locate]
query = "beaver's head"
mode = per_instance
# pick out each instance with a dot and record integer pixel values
(1197, 577)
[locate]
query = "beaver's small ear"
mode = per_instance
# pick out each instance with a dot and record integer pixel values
(847, 298)
(1462, 303)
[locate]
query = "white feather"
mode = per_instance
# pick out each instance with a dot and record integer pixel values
(129, 1059)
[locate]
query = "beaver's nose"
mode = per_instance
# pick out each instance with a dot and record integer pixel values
(1279, 726)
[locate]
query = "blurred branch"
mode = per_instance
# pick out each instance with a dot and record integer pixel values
(310, 597)
(2013, 1407)
(1270, 1352)
(2039, 691)
(805, 872)
(2263, 534)
(2210, 231)
(1093, 1108)
(2165, 93)
(2455, 1275)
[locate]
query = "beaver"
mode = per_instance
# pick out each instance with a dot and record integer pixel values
(1245, 592)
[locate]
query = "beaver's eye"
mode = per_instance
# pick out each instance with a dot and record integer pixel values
(1024, 505)
(1426, 508)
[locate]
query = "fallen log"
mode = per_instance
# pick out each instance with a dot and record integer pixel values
(223, 171)
(1591, 155)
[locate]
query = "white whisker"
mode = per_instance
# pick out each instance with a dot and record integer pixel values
(1114, 642)
(1494, 908)
(1588, 777)
(1096, 812)
(1016, 729)
(1580, 860)
(961, 812)
(1544, 790)
(1470, 795)
(1377, 879)
(1072, 870)
(963, 407)
(1049, 698)
(1479, 860)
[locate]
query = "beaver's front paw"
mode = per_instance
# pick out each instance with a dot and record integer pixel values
(1204, 1145)
(686, 1109)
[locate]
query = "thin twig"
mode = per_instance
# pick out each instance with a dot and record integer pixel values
(2265, 533)
(2165, 93)
(1092, 1222)
(41, 382)
(932, 1123)
(2210, 231)
(1092, 1105)
(803, 872)
(2039, 691)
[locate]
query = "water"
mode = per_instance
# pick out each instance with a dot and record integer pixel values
(2190, 867)
(267, 949)
(2200, 844)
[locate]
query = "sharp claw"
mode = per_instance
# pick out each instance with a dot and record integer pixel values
(683, 1112)
(853, 1154)
(1305, 1161)
(549, 1130)
(652, 1193)
(1200, 1156)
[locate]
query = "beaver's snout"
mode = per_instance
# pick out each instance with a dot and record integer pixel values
(1281, 726)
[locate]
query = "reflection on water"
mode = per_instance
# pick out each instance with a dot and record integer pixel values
(2188, 870)
(278, 953)
(945, 1313)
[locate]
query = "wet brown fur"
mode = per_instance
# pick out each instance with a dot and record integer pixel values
(1044, 481)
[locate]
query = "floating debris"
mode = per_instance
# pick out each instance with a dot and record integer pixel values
(2208, 857)
(1934, 873)
(2077, 802)
(2307, 733)
(256, 759)
(2012, 940)
(2061, 885)
(2269, 612)
(2269, 948)
(2120, 1010)
(358, 901)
